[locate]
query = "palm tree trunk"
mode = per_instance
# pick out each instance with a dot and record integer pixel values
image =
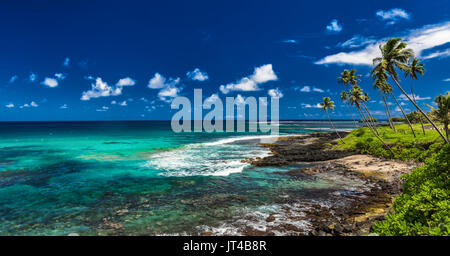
(353, 118)
(369, 124)
(372, 119)
(420, 110)
(375, 134)
(326, 111)
(388, 113)
(414, 98)
(404, 114)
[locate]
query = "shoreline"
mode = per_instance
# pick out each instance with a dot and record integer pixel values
(356, 212)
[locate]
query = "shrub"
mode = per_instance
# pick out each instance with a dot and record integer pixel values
(424, 206)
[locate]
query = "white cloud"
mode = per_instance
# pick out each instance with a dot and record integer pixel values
(33, 104)
(417, 97)
(446, 80)
(304, 105)
(260, 75)
(212, 99)
(32, 77)
(123, 103)
(167, 87)
(157, 82)
(275, 93)
(197, 75)
(307, 88)
(290, 41)
(64, 106)
(334, 26)
(13, 79)
(10, 105)
(127, 81)
(101, 89)
(102, 109)
(438, 54)
(50, 82)
(60, 76)
(393, 15)
(66, 62)
(317, 90)
(113, 102)
(419, 40)
(357, 41)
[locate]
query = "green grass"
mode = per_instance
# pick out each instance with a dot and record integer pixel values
(402, 142)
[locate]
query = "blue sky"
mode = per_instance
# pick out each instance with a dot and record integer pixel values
(126, 60)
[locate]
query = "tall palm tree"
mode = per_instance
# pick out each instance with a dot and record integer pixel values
(328, 104)
(355, 98)
(353, 78)
(443, 111)
(380, 77)
(414, 68)
(343, 79)
(344, 97)
(394, 54)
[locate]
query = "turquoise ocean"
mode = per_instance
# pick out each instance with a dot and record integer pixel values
(140, 178)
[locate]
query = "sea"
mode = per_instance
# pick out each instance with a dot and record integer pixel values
(141, 178)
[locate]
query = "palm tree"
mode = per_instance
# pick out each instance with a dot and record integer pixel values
(415, 67)
(380, 77)
(343, 79)
(394, 55)
(443, 111)
(353, 78)
(344, 97)
(355, 98)
(327, 104)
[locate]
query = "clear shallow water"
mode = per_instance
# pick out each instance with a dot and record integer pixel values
(139, 178)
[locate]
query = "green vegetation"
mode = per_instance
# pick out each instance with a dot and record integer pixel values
(424, 206)
(402, 143)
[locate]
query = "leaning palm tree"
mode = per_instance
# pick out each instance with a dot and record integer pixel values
(414, 68)
(353, 78)
(394, 54)
(344, 97)
(380, 77)
(443, 111)
(343, 79)
(355, 97)
(327, 104)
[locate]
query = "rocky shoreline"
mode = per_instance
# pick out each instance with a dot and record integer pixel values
(359, 210)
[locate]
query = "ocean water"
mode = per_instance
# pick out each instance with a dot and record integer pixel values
(140, 178)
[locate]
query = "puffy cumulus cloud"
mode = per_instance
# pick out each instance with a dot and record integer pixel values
(419, 40)
(212, 99)
(275, 93)
(10, 105)
(31, 104)
(102, 89)
(50, 82)
(127, 81)
(167, 87)
(197, 75)
(260, 75)
(392, 15)
(64, 106)
(334, 26)
(123, 103)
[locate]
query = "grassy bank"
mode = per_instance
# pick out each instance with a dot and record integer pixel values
(423, 208)
(402, 142)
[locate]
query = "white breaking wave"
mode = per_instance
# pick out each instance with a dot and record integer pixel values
(219, 158)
